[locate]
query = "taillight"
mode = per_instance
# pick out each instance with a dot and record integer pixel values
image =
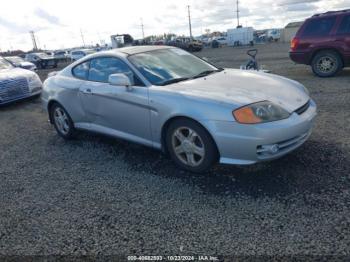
(294, 44)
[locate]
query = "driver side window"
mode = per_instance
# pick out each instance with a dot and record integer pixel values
(102, 68)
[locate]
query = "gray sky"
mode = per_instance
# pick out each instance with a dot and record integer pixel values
(57, 23)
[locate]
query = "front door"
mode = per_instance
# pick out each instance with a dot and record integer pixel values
(114, 109)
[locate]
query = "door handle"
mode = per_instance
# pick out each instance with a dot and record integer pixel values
(87, 91)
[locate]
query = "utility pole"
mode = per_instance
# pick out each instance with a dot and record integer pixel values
(189, 21)
(237, 11)
(142, 28)
(35, 47)
(82, 36)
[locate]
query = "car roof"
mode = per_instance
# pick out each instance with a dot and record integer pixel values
(121, 52)
(332, 13)
(131, 50)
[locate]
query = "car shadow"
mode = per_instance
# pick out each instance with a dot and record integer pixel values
(309, 169)
(19, 103)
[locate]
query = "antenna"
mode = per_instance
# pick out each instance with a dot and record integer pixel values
(237, 11)
(189, 21)
(32, 34)
(142, 28)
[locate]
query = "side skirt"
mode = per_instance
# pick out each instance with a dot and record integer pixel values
(117, 134)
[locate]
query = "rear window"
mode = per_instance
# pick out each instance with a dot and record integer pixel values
(319, 27)
(344, 27)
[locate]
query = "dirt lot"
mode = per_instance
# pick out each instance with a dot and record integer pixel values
(97, 195)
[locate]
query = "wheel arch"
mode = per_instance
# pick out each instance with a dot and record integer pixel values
(335, 50)
(49, 106)
(177, 117)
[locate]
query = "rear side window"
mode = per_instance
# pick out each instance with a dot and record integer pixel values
(344, 27)
(82, 70)
(102, 68)
(319, 27)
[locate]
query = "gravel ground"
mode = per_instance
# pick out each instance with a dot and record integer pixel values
(97, 195)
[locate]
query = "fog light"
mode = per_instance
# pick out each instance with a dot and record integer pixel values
(268, 149)
(274, 149)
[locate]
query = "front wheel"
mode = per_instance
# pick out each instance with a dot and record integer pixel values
(190, 146)
(62, 122)
(326, 64)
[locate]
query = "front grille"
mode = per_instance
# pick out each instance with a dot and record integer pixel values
(13, 88)
(302, 109)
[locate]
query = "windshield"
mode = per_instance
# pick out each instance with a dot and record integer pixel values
(14, 59)
(162, 66)
(4, 64)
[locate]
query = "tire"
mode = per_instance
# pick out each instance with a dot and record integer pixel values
(326, 64)
(64, 126)
(190, 146)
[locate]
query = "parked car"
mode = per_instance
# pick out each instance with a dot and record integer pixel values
(273, 35)
(220, 40)
(17, 61)
(61, 55)
(77, 54)
(323, 42)
(187, 44)
(41, 60)
(168, 99)
(17, 83)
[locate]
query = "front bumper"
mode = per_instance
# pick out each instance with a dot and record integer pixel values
(248, 144)
(24, 96)
(300, 57)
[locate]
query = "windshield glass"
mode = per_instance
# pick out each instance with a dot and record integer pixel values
(162, 66)
(4, 64)
(14, 59)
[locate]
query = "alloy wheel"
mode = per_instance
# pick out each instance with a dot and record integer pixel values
(326, 64)
(61, 121)
(188, 146)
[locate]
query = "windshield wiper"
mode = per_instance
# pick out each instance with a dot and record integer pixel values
(174, 80)
(207, 72)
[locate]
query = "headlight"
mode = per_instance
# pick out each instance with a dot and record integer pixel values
(34, 82)
(260, 113)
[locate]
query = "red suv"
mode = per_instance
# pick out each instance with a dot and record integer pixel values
(323, 42)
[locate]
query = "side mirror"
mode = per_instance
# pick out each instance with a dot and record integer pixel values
(120, 80)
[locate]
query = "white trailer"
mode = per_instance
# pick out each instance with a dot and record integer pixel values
(121, 40)
(240, 36)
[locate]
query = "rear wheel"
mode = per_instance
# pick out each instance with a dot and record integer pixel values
(191, 146)
(326, 64)
(62, 121)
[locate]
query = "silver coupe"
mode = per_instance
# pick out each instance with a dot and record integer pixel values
(168, 99)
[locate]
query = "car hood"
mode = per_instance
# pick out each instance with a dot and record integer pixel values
(241, 87)
(26, 64)
(14, 72)
(47, 58)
